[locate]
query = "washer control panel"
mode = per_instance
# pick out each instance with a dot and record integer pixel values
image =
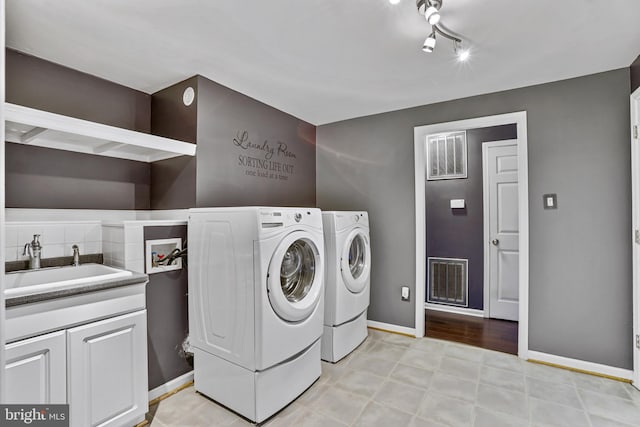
(273, 218)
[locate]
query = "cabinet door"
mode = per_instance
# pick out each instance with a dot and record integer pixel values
(36, 370)
(108, 371)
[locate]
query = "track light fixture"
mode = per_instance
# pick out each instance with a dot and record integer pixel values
(431, 11)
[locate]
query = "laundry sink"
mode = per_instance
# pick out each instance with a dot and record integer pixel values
(30, 282)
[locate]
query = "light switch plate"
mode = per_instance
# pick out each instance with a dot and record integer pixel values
(456, 203)
(405, 293)
(550, 201)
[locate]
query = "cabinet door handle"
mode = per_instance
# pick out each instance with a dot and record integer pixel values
(495, 242)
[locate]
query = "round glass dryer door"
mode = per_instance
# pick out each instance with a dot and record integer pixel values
(295, 277)
(356, 261)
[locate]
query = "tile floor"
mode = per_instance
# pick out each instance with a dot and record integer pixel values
(396, 381)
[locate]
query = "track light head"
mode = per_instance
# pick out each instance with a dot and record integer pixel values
(432, 15)
(429, 43)
(430, 9)
(461, 52)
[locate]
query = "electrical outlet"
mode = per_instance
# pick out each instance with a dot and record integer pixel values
(404, 292)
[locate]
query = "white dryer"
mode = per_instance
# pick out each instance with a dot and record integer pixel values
(255, 305)
(348, 268)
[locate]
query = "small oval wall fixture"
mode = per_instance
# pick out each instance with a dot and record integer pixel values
(188, 96)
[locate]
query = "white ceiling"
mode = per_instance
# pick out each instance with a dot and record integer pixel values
(328, 60)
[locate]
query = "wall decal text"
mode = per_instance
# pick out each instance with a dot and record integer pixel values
(266, 160)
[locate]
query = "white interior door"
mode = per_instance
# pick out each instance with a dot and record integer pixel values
(635, 205)
(500, 179)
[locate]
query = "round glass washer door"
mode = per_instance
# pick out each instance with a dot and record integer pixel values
(295, 277)
(356, 260)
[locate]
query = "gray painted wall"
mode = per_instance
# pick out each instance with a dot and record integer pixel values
(167, 315)
(233, 171)
(458, 233)
(635, 74)
(43, 178)
(233, 165)
(580, 261)
(38, 177)
(41, 84)
(173, 181)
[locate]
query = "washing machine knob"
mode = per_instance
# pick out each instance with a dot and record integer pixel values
(356, 218)
(298, 217)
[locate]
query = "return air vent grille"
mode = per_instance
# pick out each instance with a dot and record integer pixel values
(447, 156)
(448, 281)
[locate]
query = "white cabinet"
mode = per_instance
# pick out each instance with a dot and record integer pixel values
(36, 370)
(88, 350)
(108, 371)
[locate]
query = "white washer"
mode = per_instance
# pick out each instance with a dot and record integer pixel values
(348, 267)
(255, 305)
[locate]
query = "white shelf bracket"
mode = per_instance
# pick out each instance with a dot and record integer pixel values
(27, 137)
(108, 146)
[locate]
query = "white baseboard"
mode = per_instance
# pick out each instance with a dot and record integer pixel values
(391, 328)
(170, 385)
(457, 310)
(581, 365)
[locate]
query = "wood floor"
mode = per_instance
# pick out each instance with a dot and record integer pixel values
(492, 334)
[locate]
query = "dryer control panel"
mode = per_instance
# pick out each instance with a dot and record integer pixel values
(346, 220)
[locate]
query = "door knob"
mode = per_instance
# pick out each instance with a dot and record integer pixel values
(495, 242)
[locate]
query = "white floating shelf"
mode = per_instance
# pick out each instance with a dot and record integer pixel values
(29, 126)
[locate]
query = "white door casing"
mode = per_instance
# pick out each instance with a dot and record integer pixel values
(635, 232)
(2, 202)
(420, 145)
(501, 229)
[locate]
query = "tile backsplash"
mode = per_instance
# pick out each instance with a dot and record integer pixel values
(119, 236)
(56, 238)
(123, 245)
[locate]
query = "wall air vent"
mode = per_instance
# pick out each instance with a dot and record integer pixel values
(448, 281)
(447, 156)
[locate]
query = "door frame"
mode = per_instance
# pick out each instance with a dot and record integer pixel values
(635, 215)
(420, 149)
(2, 202)
(486, 223)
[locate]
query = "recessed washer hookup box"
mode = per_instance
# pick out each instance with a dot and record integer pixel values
(157, 251)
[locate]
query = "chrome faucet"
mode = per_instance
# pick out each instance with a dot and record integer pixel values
(76, 255)
(34, 250)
